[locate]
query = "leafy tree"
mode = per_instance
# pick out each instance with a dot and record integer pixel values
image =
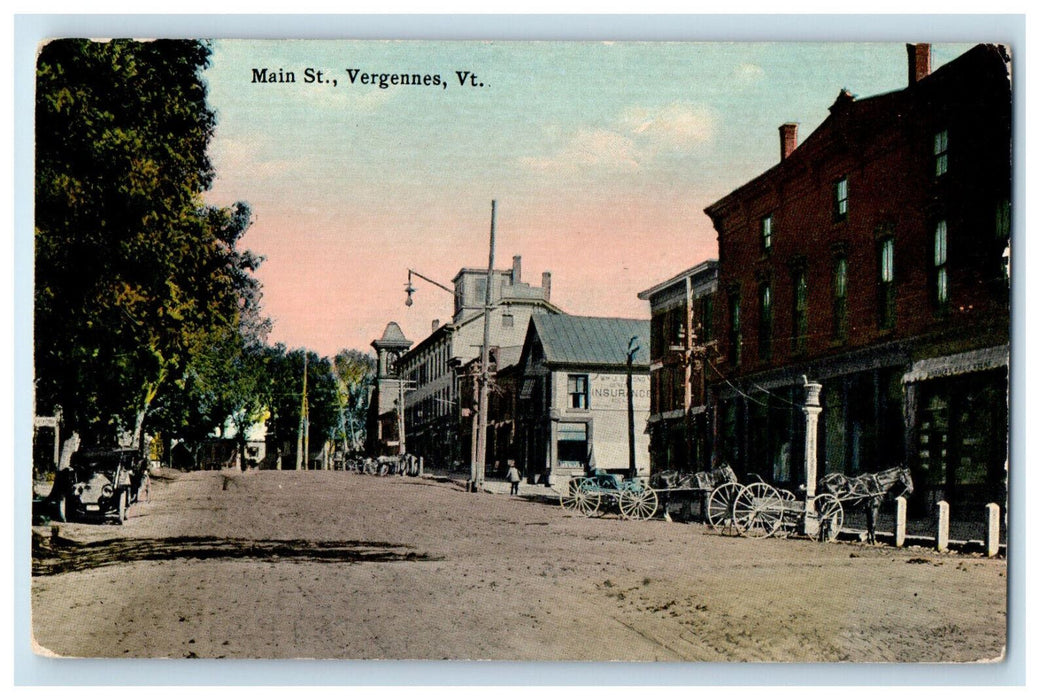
(137, 282)
(354, 373)
(284, 370)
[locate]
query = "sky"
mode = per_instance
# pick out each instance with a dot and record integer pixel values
(601, 156)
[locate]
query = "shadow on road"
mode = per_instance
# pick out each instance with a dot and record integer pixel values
(57, 555)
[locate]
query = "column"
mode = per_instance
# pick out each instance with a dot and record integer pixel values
(811, 409)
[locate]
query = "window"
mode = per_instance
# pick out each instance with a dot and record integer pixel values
(507, 320)
(799, 338)
(578, 389)
(764, 337)
(840, 299)
(840, 199)
(941, 153)
(734, 352)
(705, 324)
(766, 230)
(941, 255)
(481, 290)
(572, 444)
(885, 291)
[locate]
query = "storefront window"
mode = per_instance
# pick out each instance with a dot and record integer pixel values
(572, 444)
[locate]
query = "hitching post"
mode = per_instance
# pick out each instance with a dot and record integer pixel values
(811, 409)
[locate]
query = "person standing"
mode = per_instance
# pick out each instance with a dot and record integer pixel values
(514, 479)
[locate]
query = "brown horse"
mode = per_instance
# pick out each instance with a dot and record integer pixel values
(869, 491)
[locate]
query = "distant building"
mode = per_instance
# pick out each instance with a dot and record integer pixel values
(683, 340)
(874, 259)
(433, 409)
(572, 402)
(383, 431)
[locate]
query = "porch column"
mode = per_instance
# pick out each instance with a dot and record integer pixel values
(811, 409)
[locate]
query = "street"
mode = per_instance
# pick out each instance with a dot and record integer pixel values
(267, 564)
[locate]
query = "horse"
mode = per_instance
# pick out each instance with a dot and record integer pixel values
(869, 490)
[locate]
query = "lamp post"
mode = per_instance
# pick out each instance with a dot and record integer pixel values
(479, 451)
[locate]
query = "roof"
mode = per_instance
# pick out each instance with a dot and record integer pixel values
(392, 336)
(587, 340)
(707, 267)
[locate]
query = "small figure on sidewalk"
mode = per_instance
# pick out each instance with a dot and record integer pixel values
(514, 479)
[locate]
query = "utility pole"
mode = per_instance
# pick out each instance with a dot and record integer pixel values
(634, 347)
(480, 456)
(302, 458)
(401, 448)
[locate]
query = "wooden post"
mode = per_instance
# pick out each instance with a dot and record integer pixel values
(992, 530)
(900, 506)
(942, 542)
(421, 466)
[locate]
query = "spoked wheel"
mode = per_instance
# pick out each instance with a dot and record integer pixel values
(588, 501)
(569, 498)
(639, 504)
(121, 507)
(721, 508)
(829, 511)
(758, 510)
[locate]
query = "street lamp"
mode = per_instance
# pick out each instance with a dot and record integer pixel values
(411, 289)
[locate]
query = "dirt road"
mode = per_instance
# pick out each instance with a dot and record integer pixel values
(338, 565)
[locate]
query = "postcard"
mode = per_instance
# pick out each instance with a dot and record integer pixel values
(522, 350)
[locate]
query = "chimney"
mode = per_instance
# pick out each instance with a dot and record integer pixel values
(517, 276)
(547, 285)
(436, 325)
(919, 62)
(787, 136)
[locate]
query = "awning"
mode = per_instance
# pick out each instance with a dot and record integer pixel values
(961, 363)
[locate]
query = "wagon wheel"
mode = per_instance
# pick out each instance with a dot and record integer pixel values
(587, 501)
(62, 510)
(638, 504)
(121, 507)
(758, 510)
(569, 498)
(721, 508)
(143, 489)
(829, 511)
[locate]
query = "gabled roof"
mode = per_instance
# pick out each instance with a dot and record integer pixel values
(587, 340)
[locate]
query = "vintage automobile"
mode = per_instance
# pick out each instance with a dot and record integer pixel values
(101, 484)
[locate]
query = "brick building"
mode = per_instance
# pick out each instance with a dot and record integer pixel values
(682, 341)
(873, 258)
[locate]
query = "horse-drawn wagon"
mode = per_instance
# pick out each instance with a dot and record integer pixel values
(602, 492)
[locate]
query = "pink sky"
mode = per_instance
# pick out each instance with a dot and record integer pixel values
(601, 156)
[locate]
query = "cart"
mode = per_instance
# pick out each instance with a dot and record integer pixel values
(673, 485)
(761, 510)
(601, 492)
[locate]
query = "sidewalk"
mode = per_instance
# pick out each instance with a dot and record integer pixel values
(499, 486)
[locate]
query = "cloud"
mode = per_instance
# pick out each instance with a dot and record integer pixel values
(676, 125)
(748, 74)
(591, 148)
(638, 136)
